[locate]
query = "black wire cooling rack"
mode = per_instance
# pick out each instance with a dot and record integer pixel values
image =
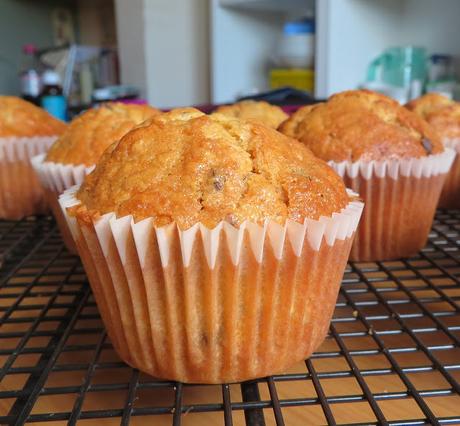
(392, 355)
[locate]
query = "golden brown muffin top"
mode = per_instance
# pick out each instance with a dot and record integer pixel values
(259, 111)
(187, 167)
(441, 112)
(19, 118)
(289, 126)
(360, 124)
(89, 134)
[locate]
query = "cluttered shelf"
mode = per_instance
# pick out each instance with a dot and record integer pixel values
(392, 355)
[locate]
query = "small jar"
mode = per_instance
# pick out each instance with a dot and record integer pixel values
(296, 48)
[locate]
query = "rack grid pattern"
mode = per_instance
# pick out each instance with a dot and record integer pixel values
(392, 355)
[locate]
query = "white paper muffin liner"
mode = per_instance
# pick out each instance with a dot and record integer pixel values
(22, 148)
(339, 226)
(453, 144)
(20, 192)
(214, 305)
(431, 165)
(400, 198)
(450, 195)
(56, 178)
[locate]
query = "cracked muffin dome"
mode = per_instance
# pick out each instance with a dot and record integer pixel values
(89, 134)
(187, 167)
(442, 113)
(19, 118)
(363, 125)
(259, 111)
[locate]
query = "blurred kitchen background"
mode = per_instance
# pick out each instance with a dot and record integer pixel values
(197, 52)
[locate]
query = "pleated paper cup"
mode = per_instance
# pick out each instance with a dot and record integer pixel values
(213, 305)
(400, 198)
(55, 178)
(20, 191)
(450, 195)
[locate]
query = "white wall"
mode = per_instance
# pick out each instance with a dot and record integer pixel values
(242, 42)
(177, 49)
(433, 24)
(164, 49)
(352, 32)
(130, 25)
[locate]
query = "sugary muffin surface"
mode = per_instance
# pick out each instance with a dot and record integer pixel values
(89, 134)
(187, 167)
(19, 118)
(441, 112)
(364, 125)
(258, 111)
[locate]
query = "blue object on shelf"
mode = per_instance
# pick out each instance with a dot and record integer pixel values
(304, 26)
(56, 105)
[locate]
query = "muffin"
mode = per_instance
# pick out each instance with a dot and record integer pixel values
(259, 111)
(443, 115)
(79, 148)
(388, 154)
(214, 247)
(25, 130)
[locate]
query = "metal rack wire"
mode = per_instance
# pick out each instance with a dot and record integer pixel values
(392, 356)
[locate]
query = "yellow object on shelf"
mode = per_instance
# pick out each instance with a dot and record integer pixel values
(299, 78)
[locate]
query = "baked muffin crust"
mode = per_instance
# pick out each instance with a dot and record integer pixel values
(426, 104)
(289, 126)
(363, 125)
(89, 134)
(188, 167)
(442, 113)
(259, 111)
(19, 118)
